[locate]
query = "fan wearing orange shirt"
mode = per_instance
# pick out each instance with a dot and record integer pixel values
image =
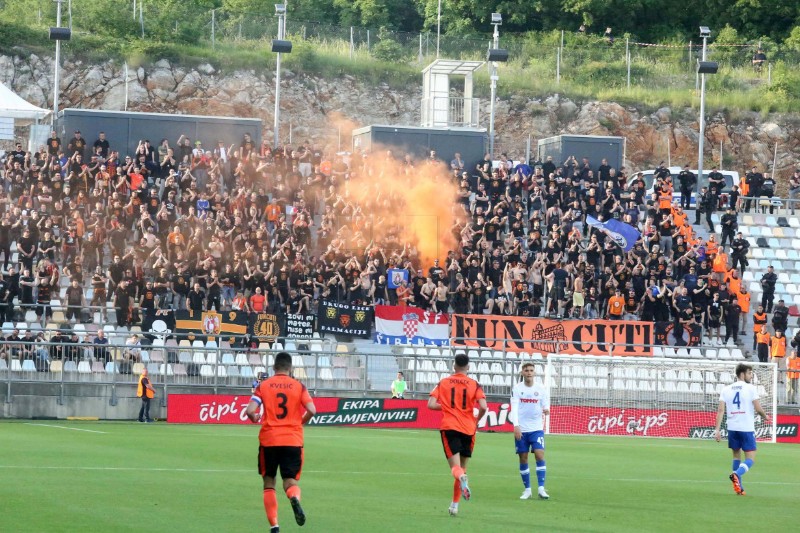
(287, 405)
(455, 396)
(616, 305)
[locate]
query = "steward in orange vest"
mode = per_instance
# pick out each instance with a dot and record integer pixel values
(792, 377)
(146, 392)
(763, 342)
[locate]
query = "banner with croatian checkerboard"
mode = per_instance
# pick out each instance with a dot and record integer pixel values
(395, 324)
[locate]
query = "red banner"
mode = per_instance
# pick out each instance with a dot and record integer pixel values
(573, 420)
(518, 334)
(414, 414)
(787, 428)
(359, 412)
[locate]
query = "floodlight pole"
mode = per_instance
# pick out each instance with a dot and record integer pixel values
(56, 68)
(281, 36)
(702, 127)
(495, 45)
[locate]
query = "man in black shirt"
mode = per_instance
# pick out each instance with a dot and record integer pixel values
(77, 145)
(76, 301)
(102, 143)
(768, 281)
(754, 181)
(687, 180)
(195, 299)
(729, 226)
(740, 246)
(122, 303)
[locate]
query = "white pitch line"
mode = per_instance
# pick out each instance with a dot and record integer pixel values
(64, 427)
(363, 473)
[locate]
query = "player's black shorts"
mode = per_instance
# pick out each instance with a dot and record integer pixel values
(455, 442)
(288, 458)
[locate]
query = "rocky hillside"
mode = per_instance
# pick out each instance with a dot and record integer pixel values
(322, 109)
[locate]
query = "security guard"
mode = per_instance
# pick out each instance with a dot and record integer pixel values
(759, 319)
(777, 352)
(763, 340)
(740, 247)
(729, 226)
(146, 392)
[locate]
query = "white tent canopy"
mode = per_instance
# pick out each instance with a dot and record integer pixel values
(12, 106)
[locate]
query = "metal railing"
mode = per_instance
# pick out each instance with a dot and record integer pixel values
(444, 111)
(770, 205)
(222, 368)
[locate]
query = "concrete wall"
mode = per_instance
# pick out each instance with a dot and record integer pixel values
(107, 402)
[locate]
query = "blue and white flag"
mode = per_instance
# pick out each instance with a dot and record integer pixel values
(396, 276)
(621, 233)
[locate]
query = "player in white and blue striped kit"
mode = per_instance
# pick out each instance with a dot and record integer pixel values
(740, 402)
(530, 402)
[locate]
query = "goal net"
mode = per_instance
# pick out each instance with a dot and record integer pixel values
(647, 397)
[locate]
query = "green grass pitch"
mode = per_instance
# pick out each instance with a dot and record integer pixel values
(116, 477)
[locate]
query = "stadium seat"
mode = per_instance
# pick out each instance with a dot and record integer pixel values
(245, 371)
(179, 370)
(222, 371)
(241, 359)
(325, 374)
(84, 367)
(342, 362)
(228, 359)
(198, 358)
(110, 368)
(254, 359)
(290, 346)
(206, 371)
(723, 353)
(315, 346)
(98, 368)
(27, 365)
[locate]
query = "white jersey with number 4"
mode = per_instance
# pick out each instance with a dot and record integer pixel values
(739, 398)
(527, 404)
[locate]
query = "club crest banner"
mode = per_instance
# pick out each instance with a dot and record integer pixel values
(345, 319)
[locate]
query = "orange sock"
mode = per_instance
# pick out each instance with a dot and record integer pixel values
(456, 491)
(457, 472)
(271, 506)
(293, 492)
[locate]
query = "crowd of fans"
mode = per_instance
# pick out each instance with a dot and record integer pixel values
(246, 227)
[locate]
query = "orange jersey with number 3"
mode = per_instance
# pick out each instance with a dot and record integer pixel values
(283, 399)
(457, 395)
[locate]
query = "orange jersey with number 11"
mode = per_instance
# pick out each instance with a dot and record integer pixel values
(283, 399)
(457, 395)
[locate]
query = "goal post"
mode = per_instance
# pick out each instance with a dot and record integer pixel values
(648, 397)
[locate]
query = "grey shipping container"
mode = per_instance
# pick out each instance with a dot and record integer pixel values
(417, 141)
(593, 147)
(124, 129)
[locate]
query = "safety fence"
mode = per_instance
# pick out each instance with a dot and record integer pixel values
(321, 364)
